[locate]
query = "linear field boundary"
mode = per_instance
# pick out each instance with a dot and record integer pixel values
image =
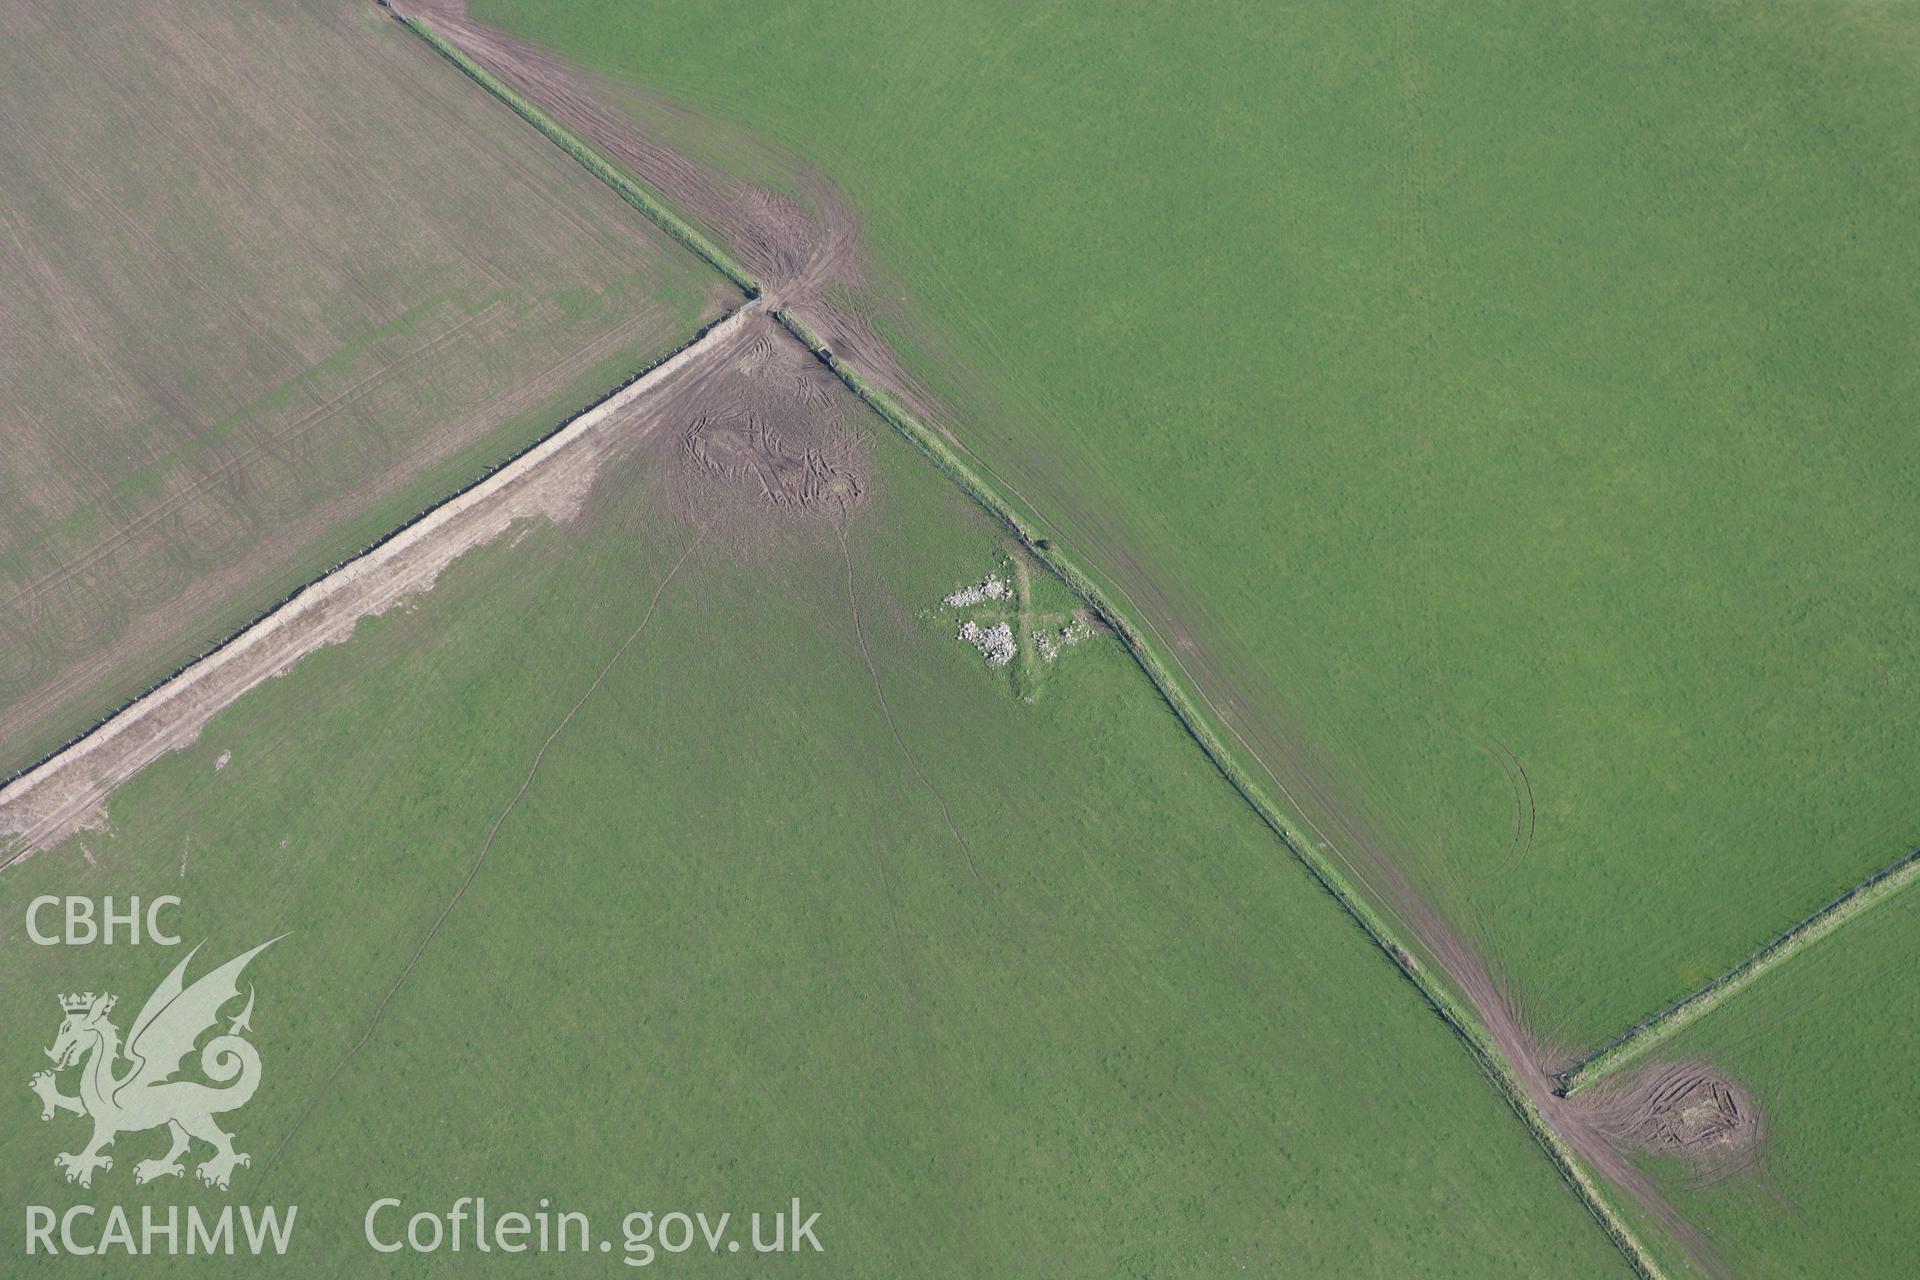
(1458, 1017)
(626, 187)
(21, 783)
(481, 477)
(1641, 1038)
(1465, 1025)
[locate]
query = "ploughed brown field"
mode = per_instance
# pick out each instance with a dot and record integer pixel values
(274, 282)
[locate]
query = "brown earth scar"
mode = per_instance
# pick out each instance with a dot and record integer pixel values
(806, 269)
(807, 259)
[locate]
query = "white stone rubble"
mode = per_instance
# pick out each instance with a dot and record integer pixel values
(991, 587)
(995, 643)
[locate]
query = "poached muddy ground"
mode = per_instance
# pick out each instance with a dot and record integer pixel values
(1688, 1111)
(745, 410)
(723, 415)
(805, 253)
(773, 435)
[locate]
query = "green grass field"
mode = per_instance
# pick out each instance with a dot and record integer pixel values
(1829, 1043)
(726, 950)
(1518, 380)
(274, 282)
(1502, 417)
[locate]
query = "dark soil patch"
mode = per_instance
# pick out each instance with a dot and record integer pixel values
(1686, 1110)
(772, 436)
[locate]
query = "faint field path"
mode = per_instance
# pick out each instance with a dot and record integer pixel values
(486, 847)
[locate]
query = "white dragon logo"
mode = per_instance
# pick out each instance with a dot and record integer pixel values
(146, 1096)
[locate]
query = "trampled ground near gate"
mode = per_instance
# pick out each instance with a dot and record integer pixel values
(1505, 413)
(1828, 1043)
(797, 904)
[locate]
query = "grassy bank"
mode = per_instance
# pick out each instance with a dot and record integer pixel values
(1456, 383)
(1650, 1034)
(726, 951)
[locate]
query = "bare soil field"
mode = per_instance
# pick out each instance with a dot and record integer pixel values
(270, 282)
(744, 419)
(744, 386)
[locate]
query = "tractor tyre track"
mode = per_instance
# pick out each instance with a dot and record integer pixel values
(486, 847)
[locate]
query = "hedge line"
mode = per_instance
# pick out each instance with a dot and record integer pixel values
(1624, 1048)
(1465, 1025)
(484, 474)
(602, 168)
